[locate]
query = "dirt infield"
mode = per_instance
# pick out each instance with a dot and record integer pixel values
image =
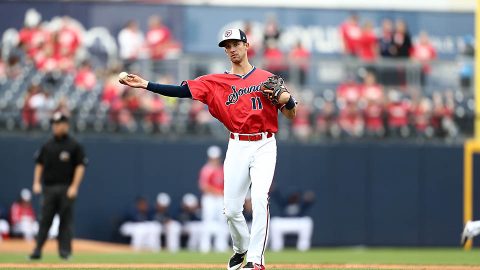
(79, 245)
(221, 266)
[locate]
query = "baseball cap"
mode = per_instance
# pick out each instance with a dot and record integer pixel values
(232, 34)
(214, 151)
(58, 117)
(190, 200)
(25, 194)
(163, 199)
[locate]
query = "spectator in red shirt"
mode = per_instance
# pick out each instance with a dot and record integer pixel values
(370, 89)
(112, 90)
(22, 216)
(368, 43)
(374, 114)
(300, 60)
(348, 90)
(350, 33)
(123, 111)
(158, 38)
(424, 52)
(44, 58)
(160, 44)
(33, 35)
(398, 114)
(372, 94)
(350, 120)
(157, 118)
(85, 78)
(275, 60)
(66, 40)
(421, 114)
(301, 126)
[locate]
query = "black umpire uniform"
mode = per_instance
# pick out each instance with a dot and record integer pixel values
(60, 166)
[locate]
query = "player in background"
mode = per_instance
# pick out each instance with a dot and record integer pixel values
(238, 99)
(293, 219)
(211, 185)
(471, 229)
(190, 217)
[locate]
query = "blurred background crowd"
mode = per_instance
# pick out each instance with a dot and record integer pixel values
(392, 85)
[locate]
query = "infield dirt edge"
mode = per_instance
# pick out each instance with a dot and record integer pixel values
(221, 266)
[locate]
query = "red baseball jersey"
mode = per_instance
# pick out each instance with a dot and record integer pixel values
(211, 176)
(237, 101)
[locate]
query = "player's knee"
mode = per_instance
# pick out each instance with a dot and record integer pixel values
(232, 213)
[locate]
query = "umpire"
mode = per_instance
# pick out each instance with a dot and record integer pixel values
(60, 166)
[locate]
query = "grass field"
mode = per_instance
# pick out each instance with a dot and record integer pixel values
(322, 258)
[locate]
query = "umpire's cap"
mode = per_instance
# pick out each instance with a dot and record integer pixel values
(232, 34)
(58, 117)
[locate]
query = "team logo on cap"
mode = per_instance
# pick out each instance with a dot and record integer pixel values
(228, 33)
(64, 156)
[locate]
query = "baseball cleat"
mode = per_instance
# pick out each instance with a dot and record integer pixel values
(236, 261)
(254, 266)
(35, 256)
(465, 234)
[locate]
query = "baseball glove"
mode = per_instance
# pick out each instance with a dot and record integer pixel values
(276, 85)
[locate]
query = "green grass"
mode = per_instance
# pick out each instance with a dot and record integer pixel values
(418, 256)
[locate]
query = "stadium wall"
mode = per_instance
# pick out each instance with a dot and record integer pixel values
(378, 194)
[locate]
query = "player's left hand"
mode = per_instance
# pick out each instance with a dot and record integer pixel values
(275, 90)
(72, 192)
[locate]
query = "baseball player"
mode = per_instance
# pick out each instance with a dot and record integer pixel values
(211, 185)
(246, 100)
(470, 230)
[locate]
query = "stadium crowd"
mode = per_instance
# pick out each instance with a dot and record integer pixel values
(48, 68)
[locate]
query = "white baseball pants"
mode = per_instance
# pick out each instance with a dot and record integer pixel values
(249, 163)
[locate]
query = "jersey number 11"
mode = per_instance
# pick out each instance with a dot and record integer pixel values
(256, 103)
